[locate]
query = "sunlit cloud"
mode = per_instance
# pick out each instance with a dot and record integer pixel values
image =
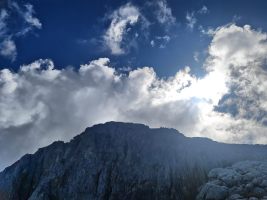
(50, 104)
(126, 15)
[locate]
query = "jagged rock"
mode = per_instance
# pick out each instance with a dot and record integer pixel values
(227, 176)
(235, 197)
(253, 198)
(264, 183)
(249, 181)
(213, 192)
(258, 192)
(117, 161)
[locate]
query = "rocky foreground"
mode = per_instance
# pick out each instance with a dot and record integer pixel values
(244, 180)
(125, 161)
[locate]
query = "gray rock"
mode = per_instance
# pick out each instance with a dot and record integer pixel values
(213, 192)
(253, 198)
(258, 192)
(249, 187)
(125, 161)
(243, 180)
(236, 190)
(235, 197)
(264, 183)
(217, 193)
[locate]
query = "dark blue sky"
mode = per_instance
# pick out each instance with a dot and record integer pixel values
(72, 32)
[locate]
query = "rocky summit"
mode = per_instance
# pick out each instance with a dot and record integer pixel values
(244, 180)
(126, 161)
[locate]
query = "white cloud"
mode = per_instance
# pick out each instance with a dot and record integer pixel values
(152, 43)
(40, 104)
(203, 10)
(206, 31)
(119, 37)
(240, 54)
(8, 36)
(191, 20)
(164, 13)
(8, 49)
(165, 38)
(196, 56)
(160, 41)
(126, 15)
(3, 25)
(27, 14)
(125, 69)
(236, 18)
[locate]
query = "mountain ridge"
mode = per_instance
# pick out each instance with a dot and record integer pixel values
(119, 160)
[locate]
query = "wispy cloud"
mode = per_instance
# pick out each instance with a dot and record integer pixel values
(203, 10)
(126, 15)
(191, 20)
(164, 13)
(160, 41)
(7, 34)
(128, 21)
(196, 56)
(3, 22)
(236, 18)
(191, 17)
(27, 12)
(8, 49)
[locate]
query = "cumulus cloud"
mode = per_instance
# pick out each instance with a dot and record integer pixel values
(121, 19)
(15, 21)
(240, 53)
(40, 103)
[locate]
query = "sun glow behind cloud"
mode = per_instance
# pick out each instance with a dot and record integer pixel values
(50, 104)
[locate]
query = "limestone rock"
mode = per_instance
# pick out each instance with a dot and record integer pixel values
(125, 161)
(243, 180)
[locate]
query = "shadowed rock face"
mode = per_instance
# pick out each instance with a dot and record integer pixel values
(115, 161)
(244, 180)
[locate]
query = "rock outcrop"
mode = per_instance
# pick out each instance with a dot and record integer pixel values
(117, 161)
(245, 180)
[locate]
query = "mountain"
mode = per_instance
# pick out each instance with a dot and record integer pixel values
(117, 161)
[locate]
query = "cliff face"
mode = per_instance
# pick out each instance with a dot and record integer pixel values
(116, 161)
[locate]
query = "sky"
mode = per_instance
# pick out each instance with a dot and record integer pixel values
(197, 66)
